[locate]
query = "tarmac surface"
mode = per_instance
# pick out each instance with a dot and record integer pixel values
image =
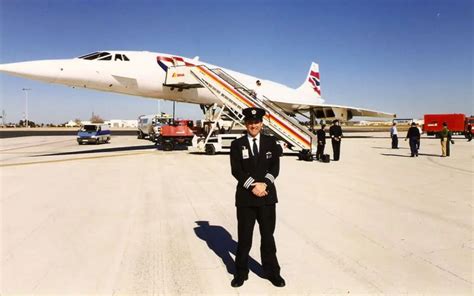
(127, 219)
(71, 131)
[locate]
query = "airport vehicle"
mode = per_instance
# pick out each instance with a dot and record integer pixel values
(457, 123)
(149, 126)
(93, 133)
(220, 143)
(470, 120)
(178, 132)
(220, 91)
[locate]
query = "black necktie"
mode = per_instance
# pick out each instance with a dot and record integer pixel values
(255, 149)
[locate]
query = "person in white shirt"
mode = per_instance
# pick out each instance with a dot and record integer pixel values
(394, 136)
(421, 132)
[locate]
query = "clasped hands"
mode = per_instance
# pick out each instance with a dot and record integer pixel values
(259, 189)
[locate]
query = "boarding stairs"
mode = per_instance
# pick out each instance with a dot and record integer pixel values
(236, 97)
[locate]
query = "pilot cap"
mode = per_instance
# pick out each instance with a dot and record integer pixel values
(253, 114)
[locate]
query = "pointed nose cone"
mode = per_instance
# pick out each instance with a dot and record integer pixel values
(47, 70)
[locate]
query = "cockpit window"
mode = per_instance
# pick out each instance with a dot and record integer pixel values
(91, 56)
(104, 56)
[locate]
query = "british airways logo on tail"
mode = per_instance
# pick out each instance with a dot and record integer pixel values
(172, 60)
(314, 80)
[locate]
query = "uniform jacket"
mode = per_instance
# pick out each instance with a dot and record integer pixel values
(444, 134)
(413, 133)
(335, 131)
(246, 171)
(321, 136)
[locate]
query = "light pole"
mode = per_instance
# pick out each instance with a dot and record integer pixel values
(3, 117)
(26, 105)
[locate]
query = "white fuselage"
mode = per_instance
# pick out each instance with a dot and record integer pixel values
(141, 75)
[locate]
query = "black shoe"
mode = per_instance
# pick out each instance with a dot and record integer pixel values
(238, 281)
(277, 281)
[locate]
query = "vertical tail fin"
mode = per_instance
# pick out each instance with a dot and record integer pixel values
(311, 87)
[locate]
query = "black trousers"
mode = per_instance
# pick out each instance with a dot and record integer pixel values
(336, 149)
(394, 142)
(413, 146)
(320, 151)
(266, 217)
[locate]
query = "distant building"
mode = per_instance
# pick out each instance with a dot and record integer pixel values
(407, 121)
(113, 123)
(72, 123)
(371, 123)
(122, 123)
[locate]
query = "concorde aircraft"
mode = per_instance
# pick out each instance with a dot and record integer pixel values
(148, 74)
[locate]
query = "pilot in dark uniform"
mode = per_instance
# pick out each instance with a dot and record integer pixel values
(255, 163)
(321, 134)
(335, 131)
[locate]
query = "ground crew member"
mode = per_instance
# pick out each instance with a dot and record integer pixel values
(419, 140)
(394, 135)
(448, 143)
(413, 135)
(321, 137)
(444, 137)
(335, 131)
(255, 163)
(469, 132)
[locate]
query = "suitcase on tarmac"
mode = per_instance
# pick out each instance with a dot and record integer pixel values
(325, 158)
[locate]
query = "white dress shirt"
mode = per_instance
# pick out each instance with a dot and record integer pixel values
(250, 138)
(393, 131)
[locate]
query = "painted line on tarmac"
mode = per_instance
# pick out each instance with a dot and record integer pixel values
(74, 159)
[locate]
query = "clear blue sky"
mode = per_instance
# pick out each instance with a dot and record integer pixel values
(405, 56)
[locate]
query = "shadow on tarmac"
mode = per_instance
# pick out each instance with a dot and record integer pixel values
(427, 154)
(221, 243)
(102, 150)
(388, 148)
(391, 154)
(399, 155)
